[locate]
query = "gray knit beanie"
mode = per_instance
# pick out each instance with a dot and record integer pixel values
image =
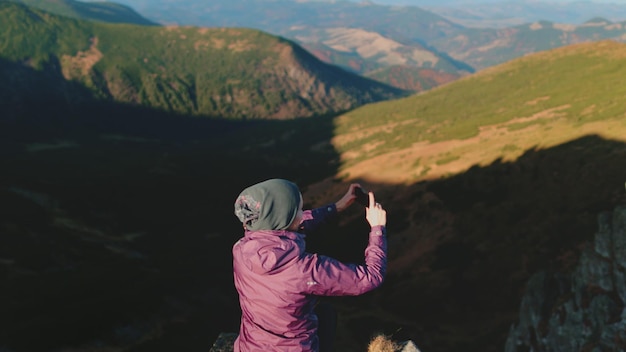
(269, 205)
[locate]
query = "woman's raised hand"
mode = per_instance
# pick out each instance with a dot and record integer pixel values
(375, 214)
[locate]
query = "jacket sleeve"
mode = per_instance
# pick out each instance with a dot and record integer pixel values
(329, 277)
(313, 219)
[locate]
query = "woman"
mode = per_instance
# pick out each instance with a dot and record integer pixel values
(278, 281)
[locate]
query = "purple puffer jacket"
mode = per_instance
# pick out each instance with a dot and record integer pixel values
(277, 283)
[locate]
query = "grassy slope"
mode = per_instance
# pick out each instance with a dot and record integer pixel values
(412, 78)
(537, 90)
(192, 70)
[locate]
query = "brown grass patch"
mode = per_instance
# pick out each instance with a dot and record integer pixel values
(218, 43)
(382, 343)
(545, 114)
(589, 110)
(78, 66)
(241, 45)
(201, 43)
(537, 100)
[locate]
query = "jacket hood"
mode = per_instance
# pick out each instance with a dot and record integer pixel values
(269, 205)
(268, 251)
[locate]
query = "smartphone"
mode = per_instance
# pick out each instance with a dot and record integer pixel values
(362, 196)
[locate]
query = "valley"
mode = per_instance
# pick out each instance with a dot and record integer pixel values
(118, 178)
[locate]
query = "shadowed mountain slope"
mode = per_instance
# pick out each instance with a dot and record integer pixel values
(236, 73)
(462, 247)
(117, 219)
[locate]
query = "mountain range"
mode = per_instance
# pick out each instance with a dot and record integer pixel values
(458, 49)
(199, 71)
(400, 51)
(312, 23)
(500, 14)
(482, 48)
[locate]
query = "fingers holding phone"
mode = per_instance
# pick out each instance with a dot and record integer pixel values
(349, 198)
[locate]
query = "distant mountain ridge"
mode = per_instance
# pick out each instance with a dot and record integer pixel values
(412, 27)
(500, 14)
(235, 73)
(373, 55)
(482, 48)
(404, 24)
(104, 11)
(380, 41)
(313, 24)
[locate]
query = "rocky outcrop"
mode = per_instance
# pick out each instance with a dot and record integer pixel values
(583, 310)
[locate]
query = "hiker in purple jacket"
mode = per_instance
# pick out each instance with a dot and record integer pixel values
(278, 281)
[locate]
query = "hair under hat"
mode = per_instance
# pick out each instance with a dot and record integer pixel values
(268, 205)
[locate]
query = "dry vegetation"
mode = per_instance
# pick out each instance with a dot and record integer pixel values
(382, 343)
(493, 142)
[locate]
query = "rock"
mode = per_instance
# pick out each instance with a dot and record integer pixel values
(224, 342)
(408, 346)
(583, 310)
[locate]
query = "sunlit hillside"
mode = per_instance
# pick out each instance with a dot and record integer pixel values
(535, 102)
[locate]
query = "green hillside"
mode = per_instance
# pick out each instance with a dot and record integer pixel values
(236, 73)
(578, 84)
(98, 11)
